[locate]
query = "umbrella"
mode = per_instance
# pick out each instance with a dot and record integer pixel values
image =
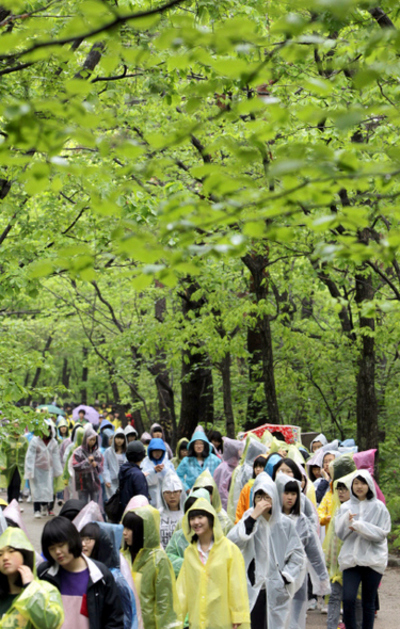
(50, 408)
(90, 413)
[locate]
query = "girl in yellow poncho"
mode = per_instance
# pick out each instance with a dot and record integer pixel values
(25, 602)
(211, 585)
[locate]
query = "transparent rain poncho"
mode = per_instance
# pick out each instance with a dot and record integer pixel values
(367, 544)
(154, 577)
(223, 474)
(274, 549)
(206, 480)
(112, 464)
(39, 604)
(169, 519)
(42, 466)
(315, 559)
(244, 471)
(214, 594)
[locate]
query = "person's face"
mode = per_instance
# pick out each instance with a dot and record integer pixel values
(92, 441)
(10, 560)
(316, 470)
(172, 498)
(127, 534)
(316, 446)
(131, 437)
(119, 441)
(183, 452)
(88, 544)
(261, 495)
(328, 458)
(63, 430)
(157, 454)
(286, 470)
(81, 416)
(258, 469)
(157, 434)
(343, 493)
(289, 500)
(61, 554)
(360, 489)
(217, 444)
(199, 446)
(199, 524)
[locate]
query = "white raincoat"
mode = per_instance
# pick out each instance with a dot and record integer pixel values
(154, 479)
(315, 558)
(244, 472)
(42, 465)
(367, 544)
(169, 519)
(111, 464)
(275, 551)
(321, 438)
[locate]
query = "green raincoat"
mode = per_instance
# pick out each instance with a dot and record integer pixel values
(206, 480)
(176, 460)
(154, 577)
(178, 542)
(12, 455)
(39, 604)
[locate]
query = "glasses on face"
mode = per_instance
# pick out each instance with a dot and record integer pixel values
(259, 497)
(87, 539)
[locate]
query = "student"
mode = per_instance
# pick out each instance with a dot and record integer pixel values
(244, 472)
(25, 601)
(215, 438)
(13, 450)
(151, 569)
(363, 523)
(180, 452)
(87, 462)
(223, 474)
(114, 458)
(131, 433)
(199, 458)
(206, 481)
(212, 582)
(273, 554)
(87, 587)
(317, 443)
(42, 466)
(154, 467)
(246, 495)
(289, 492)
(332, 545)
(338, 467)
(289, 467)
(132, 481)
(323, 486)
(157, 432)
(178, 542)
(102, 541)
(172, 500)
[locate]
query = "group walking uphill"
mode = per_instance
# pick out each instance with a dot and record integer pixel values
(249, 532)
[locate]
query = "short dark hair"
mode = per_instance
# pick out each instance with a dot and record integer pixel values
(259, 460)
(197, 512)
(92, 530)
(292, 485)
(29, 560)
(293, 466)
(57, 531)
(370, 494)
(134, 522)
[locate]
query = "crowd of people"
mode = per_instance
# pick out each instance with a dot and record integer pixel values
(228, 533)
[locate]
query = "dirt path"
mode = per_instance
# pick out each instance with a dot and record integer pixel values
(388, 616)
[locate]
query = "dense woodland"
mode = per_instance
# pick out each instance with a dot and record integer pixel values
(199, 216)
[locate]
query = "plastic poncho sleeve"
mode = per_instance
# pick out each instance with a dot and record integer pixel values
(55, 454)
(176, 549)
(238, 597)
(107, 466)
(167, 609)
(41, 604)
(318, 570)
(30, 459)
(372, 532)
(342, 523)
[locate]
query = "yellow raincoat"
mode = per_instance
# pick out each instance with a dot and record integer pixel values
(213, 594)
(206, 480)
(39, 605)
(154, 577)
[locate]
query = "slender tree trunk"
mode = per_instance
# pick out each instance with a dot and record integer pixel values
(227, 396)
(367, 406)
(66, 374)
(38, 372)
(84, 377)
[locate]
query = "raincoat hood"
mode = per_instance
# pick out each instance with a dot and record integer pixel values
(135, 502)
(255, 448)
(110, 543)
(180, 443)
(130, 430)
(265, 483)
(281, 481)
(318, 458)
(119, 433)
(366, 461)
(62, 423)
(199, 493)
(16, 538)
(232, 451)
(206, 480)
(151, 526)
(90, 513)
(370, 482)
(204, 505)
(156, 444)
(146, 436)
(172, 482)
(341, 466)
(106, 424)
(320, 438)
(88, 433)
(199, 436)
(272, 461)
(13, 512)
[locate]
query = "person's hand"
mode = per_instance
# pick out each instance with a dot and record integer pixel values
(351, 518)
(159, 467)
(91, 459)
(94, 463)
(261, 507)
(325, 475)
(108, 485)
(235, 626)
(26, 575)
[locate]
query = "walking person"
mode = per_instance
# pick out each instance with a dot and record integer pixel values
(87, 462)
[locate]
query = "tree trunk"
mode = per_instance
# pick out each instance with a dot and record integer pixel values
(84, 377)
(66, 374)
(197, 404)
(367, 407)
(260, 337)
(227, 395)
(36, 377)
